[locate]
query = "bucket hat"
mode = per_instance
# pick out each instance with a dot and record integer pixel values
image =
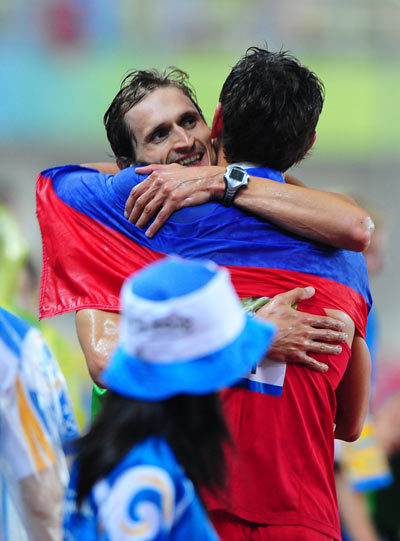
(183, 331)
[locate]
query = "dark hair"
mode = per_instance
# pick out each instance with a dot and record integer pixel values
(194, 427)
(270, 109)
(134, 87)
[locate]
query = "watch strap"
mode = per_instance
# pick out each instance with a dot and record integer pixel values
(232, 187)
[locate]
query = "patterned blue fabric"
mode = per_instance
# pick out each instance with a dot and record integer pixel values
(146, 497)
(36, 421)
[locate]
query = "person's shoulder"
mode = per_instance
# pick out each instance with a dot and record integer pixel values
(70, 171)
(152, 451)
(144, 466)
(130, 172)
(13, 331)
(125, 180)
(69, 181)
(153, 454)
(11, 324)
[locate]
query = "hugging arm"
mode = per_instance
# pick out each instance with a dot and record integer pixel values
(98, 333)
(109, 168)
(317, 215)
(298, 333)
(352, 393)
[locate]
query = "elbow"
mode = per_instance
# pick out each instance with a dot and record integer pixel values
(96, 364)
(361, 233)
(348, 435)
(349, 430)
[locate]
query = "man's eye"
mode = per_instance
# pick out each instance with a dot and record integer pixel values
(158, 136)
(189, 122)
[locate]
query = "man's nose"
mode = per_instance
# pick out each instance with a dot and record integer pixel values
(183, 139)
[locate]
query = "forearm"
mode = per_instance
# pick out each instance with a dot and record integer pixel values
(325, 217)
(352, 393)
(354, 511)
(98, 334)
(109, 168)
(317, 215)
(43, 519)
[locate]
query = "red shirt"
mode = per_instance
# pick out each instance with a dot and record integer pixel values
(280, 470)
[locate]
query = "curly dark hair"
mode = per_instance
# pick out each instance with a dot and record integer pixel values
(270, 109)
(134, 87)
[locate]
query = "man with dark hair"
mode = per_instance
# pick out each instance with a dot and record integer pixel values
(269, 108)
(138, 134)
(273, 488)
(271, 120)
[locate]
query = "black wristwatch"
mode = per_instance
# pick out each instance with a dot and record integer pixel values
(235, 179)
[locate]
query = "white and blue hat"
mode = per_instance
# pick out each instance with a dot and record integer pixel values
(183, 331)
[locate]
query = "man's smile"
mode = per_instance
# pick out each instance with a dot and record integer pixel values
(192, 159)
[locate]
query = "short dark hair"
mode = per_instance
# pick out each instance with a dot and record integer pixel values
(134, 87)
(270, 109)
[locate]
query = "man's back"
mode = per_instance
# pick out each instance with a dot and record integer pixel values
(281, 465)
(281, 468)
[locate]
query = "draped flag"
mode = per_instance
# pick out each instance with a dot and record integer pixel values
(89, 248)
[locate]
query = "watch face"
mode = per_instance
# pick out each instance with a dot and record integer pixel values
(237, 174)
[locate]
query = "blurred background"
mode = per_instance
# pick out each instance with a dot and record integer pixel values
(61, 63)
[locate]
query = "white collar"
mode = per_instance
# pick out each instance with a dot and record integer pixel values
(247, 165)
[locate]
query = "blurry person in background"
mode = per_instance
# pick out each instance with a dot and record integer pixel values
(160, 434)
(14, 253)
(384, 501)
(154, 117)
(36, 421)
(279, 110)
(19, 293)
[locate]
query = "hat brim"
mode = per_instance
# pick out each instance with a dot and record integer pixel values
(134, 377)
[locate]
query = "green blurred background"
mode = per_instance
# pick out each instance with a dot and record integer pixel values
(62, 100)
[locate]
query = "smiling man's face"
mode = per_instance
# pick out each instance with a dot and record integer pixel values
(169, 129)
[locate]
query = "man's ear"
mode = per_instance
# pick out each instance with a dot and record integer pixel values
(312, 143)
(217, 122)
(122, 162)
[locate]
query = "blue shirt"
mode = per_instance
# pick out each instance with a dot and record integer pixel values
(145, 497)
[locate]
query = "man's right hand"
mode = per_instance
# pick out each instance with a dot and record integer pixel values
(299, 333)
(170, 188)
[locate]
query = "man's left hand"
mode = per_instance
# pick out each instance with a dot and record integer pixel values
(300, 333)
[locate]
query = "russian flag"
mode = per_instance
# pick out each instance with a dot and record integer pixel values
(89, 248)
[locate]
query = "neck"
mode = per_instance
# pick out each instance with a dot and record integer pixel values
(221, 160)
